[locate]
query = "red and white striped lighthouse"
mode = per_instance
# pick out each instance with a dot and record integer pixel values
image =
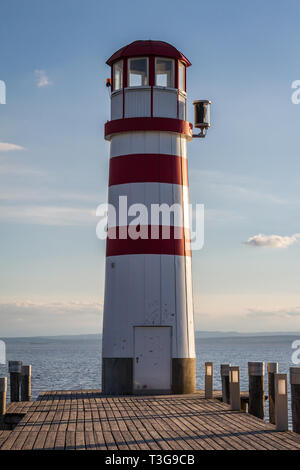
(148, 327)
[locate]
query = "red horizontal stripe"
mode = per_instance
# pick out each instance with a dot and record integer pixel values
(147, 168)
(148, 124)
(156, 240)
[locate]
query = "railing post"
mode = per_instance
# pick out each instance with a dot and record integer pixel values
(224, 370)
(15, 370)
(3, 392)
(272, 370)
(256, 389)
(234, 383)
(208, 380)
(26, 383)
(281, 403)
(295, 396)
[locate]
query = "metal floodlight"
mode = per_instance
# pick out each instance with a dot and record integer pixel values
(201, 116)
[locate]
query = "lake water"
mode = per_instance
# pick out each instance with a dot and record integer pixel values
(74, 362)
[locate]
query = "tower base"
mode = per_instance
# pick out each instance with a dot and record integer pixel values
(184, 375)
(117, 376)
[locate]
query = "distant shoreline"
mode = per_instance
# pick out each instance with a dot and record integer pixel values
(198, 334)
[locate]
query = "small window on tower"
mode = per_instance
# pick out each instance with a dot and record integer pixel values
(181, 76)
(118, 75)
(138, 72)
(164, 72)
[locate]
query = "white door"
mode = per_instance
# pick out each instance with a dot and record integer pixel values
(152, 360)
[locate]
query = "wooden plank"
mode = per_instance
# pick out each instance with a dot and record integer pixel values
(4, 435)
(60, 440)
(229, 428)
(153, 427)
(212, 426)
(261, 432)
(89, 438)
(120, 416)
(171, 433)
(33, 427)
(257, 430)
(199, 429)
(18, 436)
(70, 440)
(127, 413)
(97, 426)
(149, 440)
(193, 433)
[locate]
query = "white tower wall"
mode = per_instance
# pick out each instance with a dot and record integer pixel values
(148, 328)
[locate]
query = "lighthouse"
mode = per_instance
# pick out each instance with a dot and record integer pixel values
(148, 325)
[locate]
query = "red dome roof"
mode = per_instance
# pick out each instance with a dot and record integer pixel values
(148, 48)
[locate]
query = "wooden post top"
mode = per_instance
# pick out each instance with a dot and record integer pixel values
(15, 366)
(256, 368)
(3, 384)
(281, 377)
(224, 369)
(273, 367)
(295, 375)
(26, 370)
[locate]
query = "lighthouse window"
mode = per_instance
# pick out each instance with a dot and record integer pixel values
(138, 72)
(164, 72)
(181, 76)
(118, 75)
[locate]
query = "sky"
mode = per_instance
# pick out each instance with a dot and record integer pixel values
(54, 159)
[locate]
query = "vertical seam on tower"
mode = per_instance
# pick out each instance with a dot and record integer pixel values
(175, 273)
(186, 291)
(160, 256)
(145, 315)
(151, 101)
(123, 104)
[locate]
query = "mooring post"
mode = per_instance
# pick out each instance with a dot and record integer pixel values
(295, 396)
(26, 383)
(15, 371)
(281, 402)
(208, 380)
(224, 370)
(3, 391)
(272, 370)
(256, 389)
(234, 384)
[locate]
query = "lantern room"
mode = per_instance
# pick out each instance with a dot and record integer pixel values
(148, 79)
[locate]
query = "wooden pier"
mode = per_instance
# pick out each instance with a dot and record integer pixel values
(86, 419)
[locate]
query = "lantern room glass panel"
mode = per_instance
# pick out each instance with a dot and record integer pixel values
(138, 72)
(164, 72)
(181, 76)
(118, 75)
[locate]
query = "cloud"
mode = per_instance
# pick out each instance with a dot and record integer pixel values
(49, 215)
(39, 194)
(234, 187)
(42, 79)
(283, 313)
(19, 169)
(28, 307)
(219, 215)
(30, 317)
(273, 241)
(6, 147)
